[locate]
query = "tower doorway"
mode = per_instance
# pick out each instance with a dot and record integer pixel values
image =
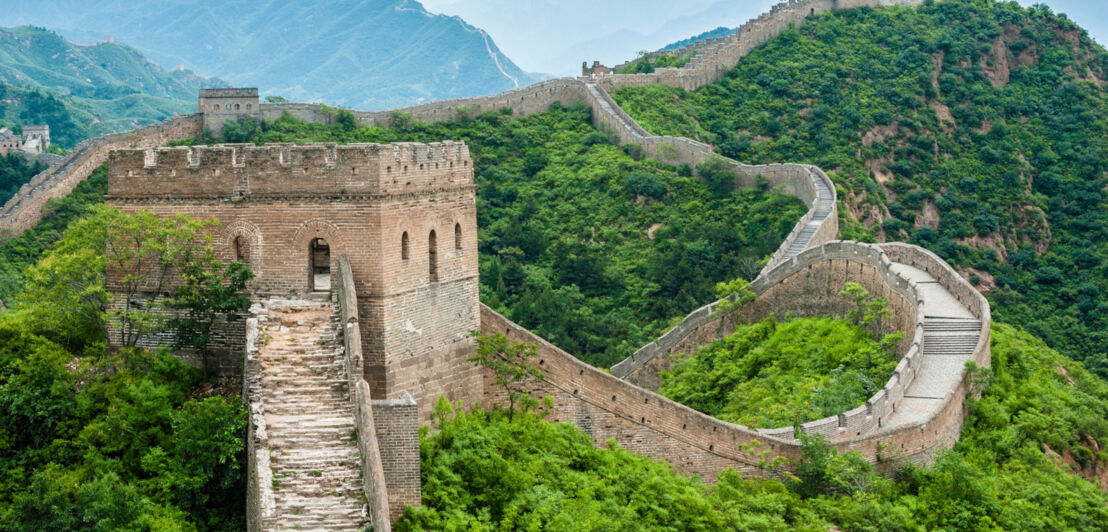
(319, 271)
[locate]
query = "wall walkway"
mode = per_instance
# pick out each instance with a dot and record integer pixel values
(919, 410)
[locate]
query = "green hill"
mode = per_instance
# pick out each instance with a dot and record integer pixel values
(84, 91)
(362, 54)
(974, 128)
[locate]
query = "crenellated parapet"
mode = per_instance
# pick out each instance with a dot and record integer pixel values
(284, 169)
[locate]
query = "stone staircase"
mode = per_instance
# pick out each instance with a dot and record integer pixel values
(950, 334)
(317, 482)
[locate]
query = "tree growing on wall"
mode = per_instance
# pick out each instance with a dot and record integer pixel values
(510, 363)
(68, 289)
(205, 294)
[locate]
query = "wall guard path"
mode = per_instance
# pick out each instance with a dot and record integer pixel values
(919, 410)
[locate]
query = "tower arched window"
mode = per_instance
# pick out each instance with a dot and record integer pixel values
(242, 252)
(458, 237)
(433, 257)
(404, 246)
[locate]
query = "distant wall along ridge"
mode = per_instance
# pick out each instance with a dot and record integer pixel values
(403, 297)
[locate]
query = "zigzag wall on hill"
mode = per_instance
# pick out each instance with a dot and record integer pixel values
(606, 406)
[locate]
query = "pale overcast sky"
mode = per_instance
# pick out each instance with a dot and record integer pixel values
(554, 36)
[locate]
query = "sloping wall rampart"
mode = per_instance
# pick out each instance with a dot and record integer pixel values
(807, 285)
(24, 209)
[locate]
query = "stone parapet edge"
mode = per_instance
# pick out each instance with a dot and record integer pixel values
(373, 471)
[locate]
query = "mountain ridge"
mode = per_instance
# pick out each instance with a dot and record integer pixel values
(367, 54)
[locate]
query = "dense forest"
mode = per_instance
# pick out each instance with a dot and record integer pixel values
(15, 171)
(928, 138)
(970, 127)
(1036, 428)
(578, 241)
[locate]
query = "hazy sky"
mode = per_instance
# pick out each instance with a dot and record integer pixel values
(554, 36)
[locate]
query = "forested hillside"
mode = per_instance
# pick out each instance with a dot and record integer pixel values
(970, 127)
(1026, 443)
(369, 54)
(85, 91)
(579, 242)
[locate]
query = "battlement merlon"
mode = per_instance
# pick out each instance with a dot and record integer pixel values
(238, 171)
(247, 92)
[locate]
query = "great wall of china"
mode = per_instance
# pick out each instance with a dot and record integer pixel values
(920, 409)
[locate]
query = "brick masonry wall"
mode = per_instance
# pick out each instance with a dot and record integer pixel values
(362, 200)
(24, 210)
(640, 421)
(397, 422)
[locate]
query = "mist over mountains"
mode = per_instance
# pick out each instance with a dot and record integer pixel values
(365, 54)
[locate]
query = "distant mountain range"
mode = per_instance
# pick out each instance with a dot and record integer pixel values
(365, 54)
(87, 90)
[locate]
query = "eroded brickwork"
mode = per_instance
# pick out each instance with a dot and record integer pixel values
(415, 309)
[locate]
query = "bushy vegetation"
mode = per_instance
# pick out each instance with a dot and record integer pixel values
(717, 33)
(484, 472)
(15, 171)
(16, 254)
(974, 128)
(578, 241)
(646, 64)
(113, 442)
(126, 440)
(776, 374)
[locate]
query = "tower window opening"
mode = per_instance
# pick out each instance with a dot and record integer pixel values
(404, 246)
(433, 258)
(319, 256)
(242, 253)
(458, 237)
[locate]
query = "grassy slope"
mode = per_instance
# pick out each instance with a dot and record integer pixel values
(974, 128)
(777, 374)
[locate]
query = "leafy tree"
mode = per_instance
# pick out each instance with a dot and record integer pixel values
(511, 367)
(145, 253)
(204, 293)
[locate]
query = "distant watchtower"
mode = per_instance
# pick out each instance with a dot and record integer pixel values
(404, 214)
(220, 106)
(39, 133)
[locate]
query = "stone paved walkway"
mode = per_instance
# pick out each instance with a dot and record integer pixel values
(317, 483)
(950, 333)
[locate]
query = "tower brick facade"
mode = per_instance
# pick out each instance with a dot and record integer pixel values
(404, 214)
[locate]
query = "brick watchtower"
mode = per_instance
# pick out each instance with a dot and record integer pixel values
(404, 214)
(220, 106)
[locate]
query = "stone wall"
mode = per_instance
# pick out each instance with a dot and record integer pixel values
(807, 286)
(24, 210)
(260, 502)
(641, 421)
(606, 407)
(397, 422)
(373, 470)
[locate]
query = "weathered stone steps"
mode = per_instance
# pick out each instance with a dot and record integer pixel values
(310, 418)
